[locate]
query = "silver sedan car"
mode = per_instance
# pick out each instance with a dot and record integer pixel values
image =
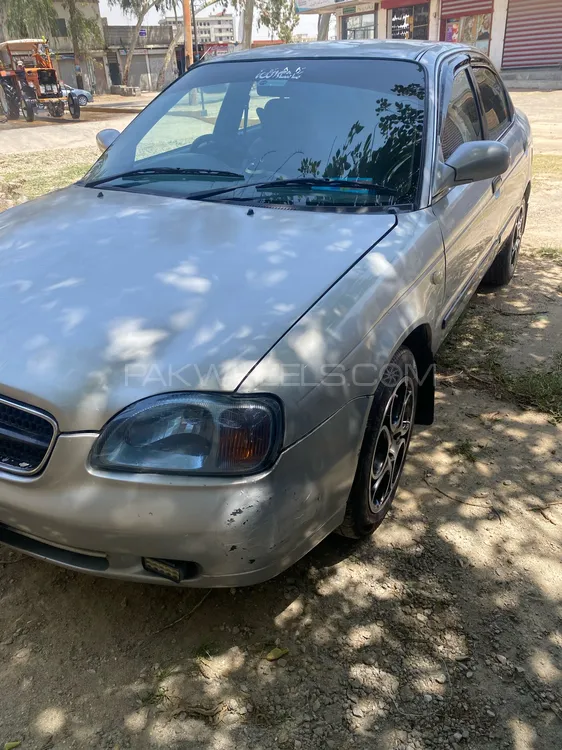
(215, 346)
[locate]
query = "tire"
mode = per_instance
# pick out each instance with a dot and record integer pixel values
(28, 110)
(74, 107)
(82, 100)
(385, 447)
(10, 100)
(502, 269)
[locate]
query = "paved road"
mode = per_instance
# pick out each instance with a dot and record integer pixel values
(46, 133)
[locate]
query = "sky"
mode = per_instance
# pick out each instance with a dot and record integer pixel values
(307, 24)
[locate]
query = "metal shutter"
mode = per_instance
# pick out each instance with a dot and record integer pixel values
(458, 8)
(533, 34)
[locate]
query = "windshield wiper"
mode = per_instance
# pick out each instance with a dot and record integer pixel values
(148, 172)
(329, 182)
(305, 182)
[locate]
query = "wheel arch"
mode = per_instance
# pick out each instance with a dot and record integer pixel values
(419, 341)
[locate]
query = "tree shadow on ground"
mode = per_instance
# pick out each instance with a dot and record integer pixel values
(441, 631)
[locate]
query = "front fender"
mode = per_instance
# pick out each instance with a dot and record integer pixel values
(337, 351)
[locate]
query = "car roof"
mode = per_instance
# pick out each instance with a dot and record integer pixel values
(396, 49)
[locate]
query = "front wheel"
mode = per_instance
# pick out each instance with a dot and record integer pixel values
(74, 107)
(28, 110)
(385, 446)
(502, 269)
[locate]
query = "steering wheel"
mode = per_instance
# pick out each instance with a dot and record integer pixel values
(201, 141)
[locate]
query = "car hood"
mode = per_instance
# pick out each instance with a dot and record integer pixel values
(107, 297)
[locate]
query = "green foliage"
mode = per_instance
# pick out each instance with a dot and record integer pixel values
(84, 30)
(279, 16)
(29, 18)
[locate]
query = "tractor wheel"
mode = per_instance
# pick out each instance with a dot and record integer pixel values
(28, 110)
(74, 106)
(9, 100)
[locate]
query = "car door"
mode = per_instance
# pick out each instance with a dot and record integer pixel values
(498, 116)
(465, 212)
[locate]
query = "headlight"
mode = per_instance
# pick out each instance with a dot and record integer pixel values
(192, 433)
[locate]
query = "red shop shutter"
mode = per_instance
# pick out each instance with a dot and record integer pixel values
(533, 34)
(458, 8)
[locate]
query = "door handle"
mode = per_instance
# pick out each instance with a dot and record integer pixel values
(496, 183)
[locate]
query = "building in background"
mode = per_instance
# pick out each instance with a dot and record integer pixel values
(213, 29)
(522, 37)
(148, 58)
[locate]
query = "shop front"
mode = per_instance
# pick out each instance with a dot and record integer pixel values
(407, 20)
(533, 34)
(359, 22)
(467, 22)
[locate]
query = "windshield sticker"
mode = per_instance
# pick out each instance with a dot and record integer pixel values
(280, 74)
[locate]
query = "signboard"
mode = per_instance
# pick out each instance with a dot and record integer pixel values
(142, 32)
(315, 6)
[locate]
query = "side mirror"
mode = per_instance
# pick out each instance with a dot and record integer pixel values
(105, 138)
(471, 162)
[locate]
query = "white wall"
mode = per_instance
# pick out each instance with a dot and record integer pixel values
(499, 20)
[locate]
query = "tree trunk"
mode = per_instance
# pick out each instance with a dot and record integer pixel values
(323, 26)
(133, 44)
(75, 42)
(248, 24)
(177, 39)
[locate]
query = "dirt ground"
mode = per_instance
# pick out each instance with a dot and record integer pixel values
(442, 631)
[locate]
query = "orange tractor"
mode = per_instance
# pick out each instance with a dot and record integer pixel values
(29, 83)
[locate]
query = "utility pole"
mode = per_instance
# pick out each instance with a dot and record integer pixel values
(195, 40)
(188, 50)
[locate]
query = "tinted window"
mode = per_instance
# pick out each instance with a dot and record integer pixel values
(462, 123)
(266, 120)
(494, 103)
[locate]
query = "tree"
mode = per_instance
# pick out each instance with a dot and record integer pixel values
(28, 18)
(178, 35)
(138, 9)
(323, 26)
(279, 16)
(85, 35)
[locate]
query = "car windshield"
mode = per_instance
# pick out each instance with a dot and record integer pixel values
(228, 129)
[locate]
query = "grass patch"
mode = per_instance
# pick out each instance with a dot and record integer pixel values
(156, 697)
(551, 253)
(547, 164)
(31, 175)
(465, 449)
(475, 341)
(207, 650)
(475, 348)
(539, 387)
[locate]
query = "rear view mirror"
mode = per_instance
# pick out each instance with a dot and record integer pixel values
(471, 162)
(105, 138)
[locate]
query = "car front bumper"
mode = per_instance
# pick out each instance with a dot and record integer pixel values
(232, 532)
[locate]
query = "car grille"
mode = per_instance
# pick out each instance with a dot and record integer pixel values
(26, 438)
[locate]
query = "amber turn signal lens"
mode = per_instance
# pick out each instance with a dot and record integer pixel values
(244, 437)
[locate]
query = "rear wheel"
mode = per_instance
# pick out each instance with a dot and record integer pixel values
(82, 100)
(385, 446)
(9, 100)
(502, 269)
